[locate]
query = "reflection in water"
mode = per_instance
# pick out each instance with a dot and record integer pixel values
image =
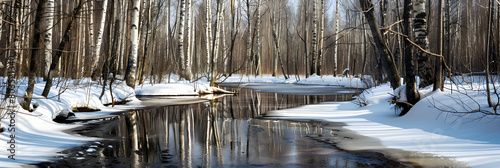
(221, 133)
(202, 135)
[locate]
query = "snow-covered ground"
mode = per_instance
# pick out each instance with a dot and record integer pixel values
(311, 80)
(38, 137)
(469, 138)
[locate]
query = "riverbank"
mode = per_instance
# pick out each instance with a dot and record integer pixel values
(470, 139)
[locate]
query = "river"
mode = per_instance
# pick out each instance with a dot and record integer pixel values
(224, 131)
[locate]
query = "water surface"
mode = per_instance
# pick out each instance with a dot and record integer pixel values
(223, 132)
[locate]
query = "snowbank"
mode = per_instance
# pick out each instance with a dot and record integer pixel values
(173, 89)
(314, 79)
(468, 138)
(38, 137)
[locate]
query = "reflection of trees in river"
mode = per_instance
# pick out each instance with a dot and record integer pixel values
(218, 132)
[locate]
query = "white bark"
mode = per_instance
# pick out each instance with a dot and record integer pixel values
(335, 50)
(1, 22)
(321, 36)
(275, 48)
(134, 45)
(218, 36)
(91, 28)
(49, 23)
(97, 52)
(209, 32)
(81, 45)
(192, 41)
(181, 35)
(223, 36)
(249, 37)
(188, 48)
(257, 68)
(314, 38)
(11, 63)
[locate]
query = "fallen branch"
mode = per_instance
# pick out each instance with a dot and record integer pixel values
(400, 102)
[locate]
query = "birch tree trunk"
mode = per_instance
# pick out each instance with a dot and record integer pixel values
(223, 38)
(385, 56)
(321, 36)
(192, 37)
(257, 53)
(421, 39)
(336, 48)
(1, 21)
(11, 64)
(219, 36)
(208, 33)
(314, 38)
(249, 38)
(181, 38)
(96, 54)
(60, 49)
(489, 53)
(188, 48)
(134, 45)
(273, 27)
(48, 20)
(91, 32)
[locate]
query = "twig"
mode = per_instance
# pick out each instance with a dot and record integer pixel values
(394, 101)
(423, 50)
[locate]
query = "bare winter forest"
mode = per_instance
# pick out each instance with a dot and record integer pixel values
(237, 83)
(137, 40)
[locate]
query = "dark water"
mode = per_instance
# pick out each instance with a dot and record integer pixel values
(223, 132)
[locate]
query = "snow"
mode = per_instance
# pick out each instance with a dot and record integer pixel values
(470, 139)
(350, 82)
(173, 89)
(38, 137)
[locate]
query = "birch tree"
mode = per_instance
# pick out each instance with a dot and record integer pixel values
(257, 52)
(189, 21)
(96, 54)
(60, 49)
(314, 38)
(11, 63)
(249, 37)
(91, 32)
(321, 36)
(181, 38)
(134, 45)
(209, 32)
(336, 30)
(48, 20)
(421, 39)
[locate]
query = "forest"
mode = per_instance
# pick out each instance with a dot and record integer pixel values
(139, 40)
(243, 83)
